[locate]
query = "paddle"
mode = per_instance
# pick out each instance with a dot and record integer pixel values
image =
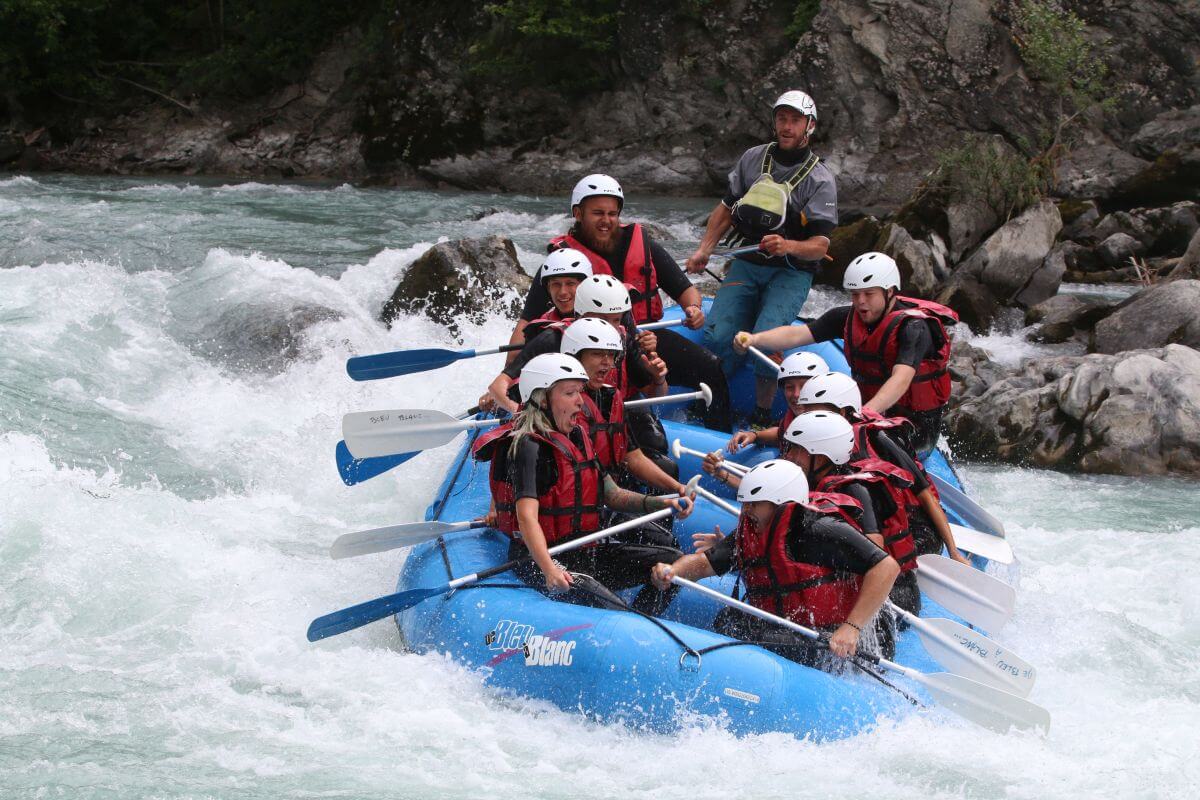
(390, 537)
(982, 704)
(370, 434)
(763, 357)
(678, 449)
(662, 323)
(374, 434)
(353, 617)
(406, 362)
(977, 597)
(356, 470)
(971, 512)
(968, 652)
(993, 548)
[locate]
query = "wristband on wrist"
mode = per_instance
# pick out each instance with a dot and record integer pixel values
(645, 500)
(852, 625)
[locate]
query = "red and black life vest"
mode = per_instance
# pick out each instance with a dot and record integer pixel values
(639, 273)
(868, 422)
(607, 431)
(872, 354)
(536, 326)
(570, 508)
(897, 484)
(804, 593)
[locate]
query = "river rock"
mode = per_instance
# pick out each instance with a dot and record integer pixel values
(1008, 261)
(971, 372)
(1160, 315)
(1137, 413)
(920, 272)
(846, 243)
(975, 303)
(1116, 250)
(1099, 170)
(1065, 316)
(1079, 220)
(462, 281)
(1188, 266)
(1177, 129)
(257, 338)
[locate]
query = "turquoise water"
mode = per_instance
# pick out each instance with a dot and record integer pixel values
(168, 496)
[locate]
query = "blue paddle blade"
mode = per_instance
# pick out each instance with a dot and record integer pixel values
(402, 362)
(356, 470)
(356, 616)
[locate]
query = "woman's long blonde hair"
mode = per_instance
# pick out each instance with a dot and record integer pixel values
(532, 418)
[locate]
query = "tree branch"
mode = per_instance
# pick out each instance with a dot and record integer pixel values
(145, 88)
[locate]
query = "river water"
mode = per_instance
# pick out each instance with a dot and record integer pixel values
(168, 495)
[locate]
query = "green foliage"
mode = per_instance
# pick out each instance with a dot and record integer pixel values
(97, 51)
(802, 17)
(1054, 46)
(979, 170)
(564, 43)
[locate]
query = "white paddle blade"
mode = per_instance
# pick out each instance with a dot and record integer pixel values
(706, 394)
(984, 545)
(977, 597)
(370, 434)
(968, 652)
(676, 449)
(391, 537)
(984, 705)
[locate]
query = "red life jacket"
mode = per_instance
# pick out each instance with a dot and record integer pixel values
(869, 421)
(872, 354)
(607, 433)
(638, 271)
(804, 593)
(893, 523)
(570, 508)
(536, 326)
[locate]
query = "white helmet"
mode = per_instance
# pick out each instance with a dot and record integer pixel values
(835, 388)
(545, 370)
(822, 433)
(565, 263)
(601, 294)
(597, 185)
(798, 100)
(802, 365)
(590, 333)
(776, 481)
(872, 269)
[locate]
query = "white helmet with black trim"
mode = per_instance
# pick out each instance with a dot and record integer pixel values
(776, 481)
(566, 263)
(601, 294)
(597, 185)
(798, 100)
(590, 333)
(836, 388)
(822, 433)
(870, 270)
(542, 372)
(802, 365)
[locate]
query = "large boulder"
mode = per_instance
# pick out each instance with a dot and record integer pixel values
(1009, 260)
(1189, 265)
(1160, 315)
(847, 243)
(971, 372)
(1158, 231)
(463, 281)
(1065, 316)
(1172, 140)
(1116, 250)
(1136, 413)
(920, 270)
(1097, 171)
(975, 303)
(1177, 129)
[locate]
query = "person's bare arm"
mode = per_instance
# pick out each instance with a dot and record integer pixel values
(876, 586)
(940, 524)
(498, 391)
(518, 337)
(719, 221)
(785, 337)
(557, 579)
(811, 249)
(691, 567)
(893, 389)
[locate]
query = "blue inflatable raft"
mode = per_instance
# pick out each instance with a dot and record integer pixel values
(619, 666)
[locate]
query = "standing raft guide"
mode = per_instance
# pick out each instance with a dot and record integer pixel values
(574, 552)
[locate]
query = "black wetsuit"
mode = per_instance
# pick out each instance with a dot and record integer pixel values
(812, 539)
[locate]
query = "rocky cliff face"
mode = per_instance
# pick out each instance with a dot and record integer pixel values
(690, 88)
